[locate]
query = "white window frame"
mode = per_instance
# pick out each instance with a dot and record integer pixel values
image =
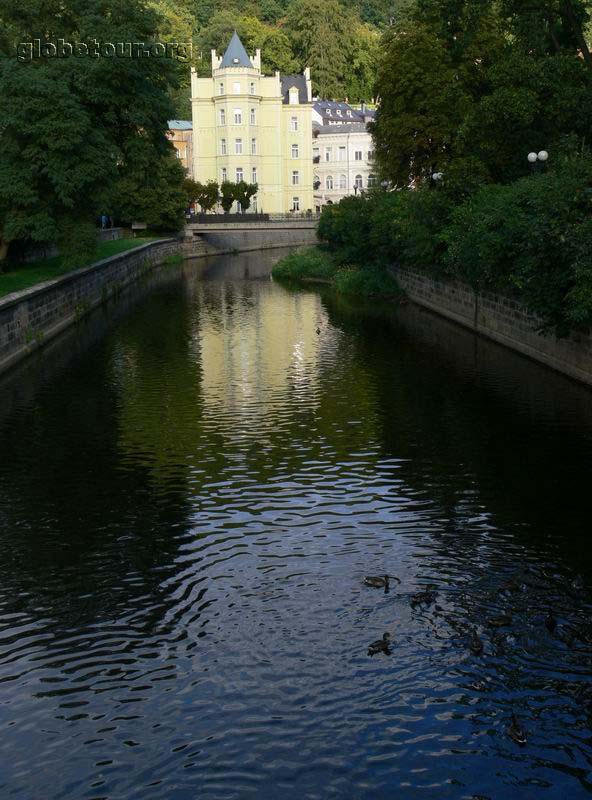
(343, 181)
(224, 175)
(295, 177)
(254, 175)
(253, 117)
(221, 89)
(295, 151)
(252, 87)
(294, 124)
(238, 147)
(222, 116)
(329, 183)
(238, 116)
(295, 204)
(240, 174)
(223, 147)
(358, 155)
(359, 182)
(253, 147)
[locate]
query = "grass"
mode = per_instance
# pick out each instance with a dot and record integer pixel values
(317, 265)
(27, 275)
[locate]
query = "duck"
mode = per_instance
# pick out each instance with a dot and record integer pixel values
(476, 644)
(500, 622)
(318, 331)
(378, 582)
(516, 732)
(423, 598)
(550, 622)
(380, 646)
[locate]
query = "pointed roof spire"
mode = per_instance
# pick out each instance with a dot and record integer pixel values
(236, 55)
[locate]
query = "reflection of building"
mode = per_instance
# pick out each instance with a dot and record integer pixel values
(342, 160)
(180, 133)
(253, 127)
(257, 347)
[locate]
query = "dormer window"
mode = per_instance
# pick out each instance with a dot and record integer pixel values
(338, 112)
(293, 96)
(329, 112)
(349, 113)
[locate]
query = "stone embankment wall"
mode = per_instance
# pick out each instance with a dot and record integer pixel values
(502, 320)
(231, 237)
(31, 317)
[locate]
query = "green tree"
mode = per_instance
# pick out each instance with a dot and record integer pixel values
(227, 196)
(205, 195)
(321, 32)
(243, 193)
(70, 125)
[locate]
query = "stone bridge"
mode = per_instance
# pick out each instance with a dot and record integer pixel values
(225, 237)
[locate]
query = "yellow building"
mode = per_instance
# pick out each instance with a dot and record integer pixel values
(254, 127)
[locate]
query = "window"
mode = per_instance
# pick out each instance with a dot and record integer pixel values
(358, 155)
(371, 180)
(223, 147)
(359, 182)
(224, 175)
(338, 112)
(295, 204)
(329, 114)
(370, 155)
(253, 147)
(253, 117)
(327, 154)
(317, 182)
(342, 182)
(294, 151)
(239, 174)
(236, 88)
(254, 175)
(329, 182)
(238, 147)
(252, 88)
(238, 116)
(342, 154)
(349, 113)
(293, 96)
(221, 89)
(295, 177)
(294, 124)
(222, 117)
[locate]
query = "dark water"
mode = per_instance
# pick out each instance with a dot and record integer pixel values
(193, 485)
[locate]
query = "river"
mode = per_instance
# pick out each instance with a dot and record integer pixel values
(193, 485)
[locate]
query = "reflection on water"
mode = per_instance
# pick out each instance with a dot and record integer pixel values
(193, 485)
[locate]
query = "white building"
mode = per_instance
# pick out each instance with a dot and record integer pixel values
(343, 158)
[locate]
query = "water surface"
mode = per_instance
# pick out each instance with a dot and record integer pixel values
(193, 485)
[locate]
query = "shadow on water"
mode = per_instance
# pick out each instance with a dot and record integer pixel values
(193, 484)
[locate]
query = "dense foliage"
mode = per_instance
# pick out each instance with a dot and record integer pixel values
(468, 89)
(82, 136)
(337, 39)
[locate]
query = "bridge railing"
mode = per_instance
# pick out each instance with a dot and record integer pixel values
(223, 219)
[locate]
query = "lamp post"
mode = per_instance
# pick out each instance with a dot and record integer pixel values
(538, 161)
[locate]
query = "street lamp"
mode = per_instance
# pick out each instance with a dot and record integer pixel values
(538, 160)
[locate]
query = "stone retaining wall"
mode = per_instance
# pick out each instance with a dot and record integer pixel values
(31, 317)
(502, 320)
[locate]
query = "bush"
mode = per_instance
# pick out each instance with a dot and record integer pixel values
(533, 239)
(309, 264)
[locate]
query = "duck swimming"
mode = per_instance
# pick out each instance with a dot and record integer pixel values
(377, 582)
(476, 644)
(516, 732)
(550, 622)
(380, 646)
(500, 622)
(423, 599)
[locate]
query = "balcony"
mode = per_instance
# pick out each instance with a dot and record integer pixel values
(316, 160)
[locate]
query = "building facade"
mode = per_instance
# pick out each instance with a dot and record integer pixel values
(254, 127)
(180, 134)
(343, 159)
